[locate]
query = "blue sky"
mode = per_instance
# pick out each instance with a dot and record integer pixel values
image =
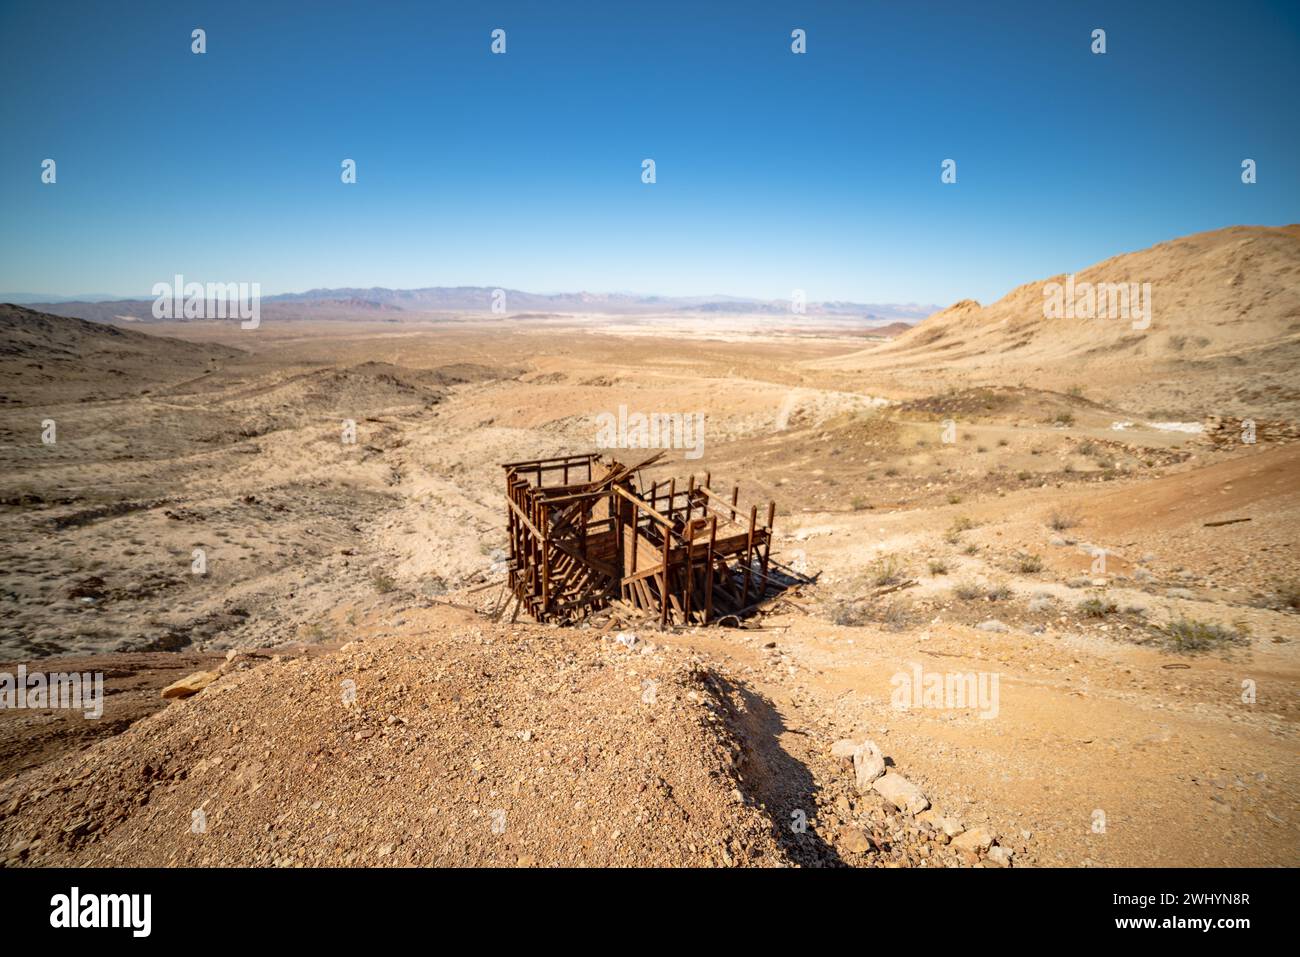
(775, 171)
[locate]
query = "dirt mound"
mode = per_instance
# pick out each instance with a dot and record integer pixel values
(1006, 403)
(52, 358)
(371, 387)
(468, 746)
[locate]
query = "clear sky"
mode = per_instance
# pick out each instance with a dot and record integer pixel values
(775, 171)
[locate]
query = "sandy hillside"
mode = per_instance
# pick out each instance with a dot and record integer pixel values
(45, 356)
(1223, 303)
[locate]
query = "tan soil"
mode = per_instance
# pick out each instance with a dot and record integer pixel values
(310, 540)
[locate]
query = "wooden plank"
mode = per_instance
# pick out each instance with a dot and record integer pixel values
(713, 537)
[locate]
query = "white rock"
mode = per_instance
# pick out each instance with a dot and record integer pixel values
(843, 749)
(901, 793)
(992, 625)
(868, 764)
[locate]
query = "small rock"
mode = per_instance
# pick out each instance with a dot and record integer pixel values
(900, 792)
(190, 684)
(950, 826)
(976, 839)
(843, 749)
(992, 625)
(1000, 856)
(855, 839)
(868, 764)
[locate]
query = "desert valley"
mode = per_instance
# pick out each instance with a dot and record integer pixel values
(1099, 519)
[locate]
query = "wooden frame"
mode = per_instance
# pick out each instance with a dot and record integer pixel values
(592, 539)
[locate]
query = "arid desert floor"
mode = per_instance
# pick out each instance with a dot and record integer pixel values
(1134, 590)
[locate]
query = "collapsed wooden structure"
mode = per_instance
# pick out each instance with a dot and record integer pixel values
(584, 536)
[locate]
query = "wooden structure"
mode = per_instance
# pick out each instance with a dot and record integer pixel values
(584, 535)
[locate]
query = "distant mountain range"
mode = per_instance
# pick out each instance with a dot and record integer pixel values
(471, 300)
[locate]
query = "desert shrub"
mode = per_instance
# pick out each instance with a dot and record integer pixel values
(859, 502)
(998, 592)
(938, 567)
(967, 590)
(382, 582)
(1024, 476)
(886, 570)
(959, 525)
(1063, 418)
(893, 615)
(1029, 564)
(1096, 608)
(953, 498)
(848, 613)
(1189, 635)
(1061, 519)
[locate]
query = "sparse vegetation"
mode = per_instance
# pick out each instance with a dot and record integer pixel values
(1029, 564)
(859, 502)
(850, 614)
(967, 590)
(853, 613)
(954, 498)
(938, 567)
(960, 524)
(999, 591)
(1188, 635)
(886, 570)
(1061, 519)
(1097, 607)
(1063, 418)
(382, 582)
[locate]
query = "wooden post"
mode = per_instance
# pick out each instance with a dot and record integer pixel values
(663, 580)
(749, 555)
(546, 563)
(582, 530)
(708, 601)
(735, 497)
(636, 539)
(767, 545)
(690, 573)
